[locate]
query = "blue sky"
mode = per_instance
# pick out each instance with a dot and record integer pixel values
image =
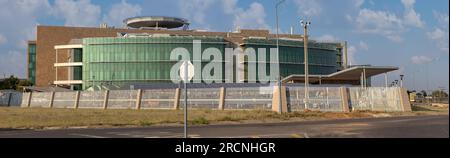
(410, 34)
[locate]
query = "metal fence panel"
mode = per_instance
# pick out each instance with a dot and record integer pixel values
(93, 99)
(64, 99)
(122, 99)
(320, 98)
(158, 99)
(248, 98)
(375, 99)
(41, 99)
(201, 98)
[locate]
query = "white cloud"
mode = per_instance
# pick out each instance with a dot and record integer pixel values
(121, 11)
(421, 59)
(386, 23)
(327, 38)
(308, 8)
(351, 53)
(358, 3)
(253, 17)
(77, 13)
(363, 46)
(13, 63)
(3, 39)
(380, 22)
(410, 16)
(195, 10)
(18, 20)
(440, 33)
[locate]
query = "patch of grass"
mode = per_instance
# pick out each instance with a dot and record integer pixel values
(38, 118)
(200, 121)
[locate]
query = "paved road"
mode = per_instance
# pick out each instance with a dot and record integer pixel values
(398, 127)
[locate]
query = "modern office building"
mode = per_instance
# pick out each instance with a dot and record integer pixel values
(80, 57)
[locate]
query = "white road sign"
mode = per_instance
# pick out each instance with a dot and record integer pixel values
(186, 71)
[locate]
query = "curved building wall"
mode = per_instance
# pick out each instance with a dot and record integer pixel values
(323, 58)
(121, 61)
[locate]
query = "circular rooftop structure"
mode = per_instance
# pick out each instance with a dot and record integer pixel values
(155, 22)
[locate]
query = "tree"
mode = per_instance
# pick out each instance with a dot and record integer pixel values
(9, 83)
(424, 93)
(14, 83)
(439, 94)
(23, 83)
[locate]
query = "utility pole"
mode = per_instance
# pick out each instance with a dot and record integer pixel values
(401, 80)
(278, 52)
(305, 25)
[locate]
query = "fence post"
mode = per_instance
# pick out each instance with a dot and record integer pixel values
(275, 100)
(9, 99)
(138, 99)
(176, 102)
(52, 97)
(77, 100)
(29, 100)
(105, 101)
(222, 98)
(344, 99)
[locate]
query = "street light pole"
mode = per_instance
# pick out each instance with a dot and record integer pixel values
(305, 25)
(278, 53)
(401, 80)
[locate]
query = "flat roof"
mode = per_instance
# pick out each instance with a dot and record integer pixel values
(350, 74)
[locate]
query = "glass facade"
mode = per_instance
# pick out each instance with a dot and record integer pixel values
(32, 62)
(120, 61)
(131, 60)
(323, 58)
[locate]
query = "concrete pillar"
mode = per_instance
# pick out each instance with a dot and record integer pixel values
(52, 98)
(344, 99)
(29, 99)
(275, 100)
(176, 101)
(9, 99)
(404, 100)
(77, 100)
(105, 101)
(138, 99)
(222, 98)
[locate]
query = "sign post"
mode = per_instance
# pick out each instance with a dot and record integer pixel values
(186, 74)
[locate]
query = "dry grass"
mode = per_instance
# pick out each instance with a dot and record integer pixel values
(38, 118)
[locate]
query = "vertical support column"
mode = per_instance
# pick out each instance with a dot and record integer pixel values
(222, 98)
(29, 99)
(364, 77)
(9, 99)
(52, 98)
(404, 100)
(176, 101)
(361, 80)
(138, 99)
(275, 100)
(345, 56)
(105, 101)
(385, 79)
(56, 68)
(77, 100)
(344, 99)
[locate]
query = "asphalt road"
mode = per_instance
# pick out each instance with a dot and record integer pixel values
(396, 127)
